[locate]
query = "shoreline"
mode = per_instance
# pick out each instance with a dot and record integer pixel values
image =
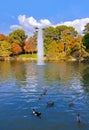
(31, 59)
(34, 59)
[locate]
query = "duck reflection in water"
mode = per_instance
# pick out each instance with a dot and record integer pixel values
(45, 91)
(78, 118)
(41, 96)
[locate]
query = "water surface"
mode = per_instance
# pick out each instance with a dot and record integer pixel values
(22, 83)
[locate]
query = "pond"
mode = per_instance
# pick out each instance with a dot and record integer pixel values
(21, 89)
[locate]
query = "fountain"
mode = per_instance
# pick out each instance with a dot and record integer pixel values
(40, 48)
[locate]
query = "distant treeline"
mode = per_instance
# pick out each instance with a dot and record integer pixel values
(60, 42)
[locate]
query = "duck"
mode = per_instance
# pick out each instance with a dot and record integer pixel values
(50, 104)
(71, 104)
(36, 113)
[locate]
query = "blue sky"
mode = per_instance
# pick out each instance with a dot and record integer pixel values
(24, 13)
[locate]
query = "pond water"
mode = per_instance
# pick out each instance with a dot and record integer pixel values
(21, 86)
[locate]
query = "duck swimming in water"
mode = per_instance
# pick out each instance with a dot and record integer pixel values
(50, 104)
(36, 113)
(71, 104)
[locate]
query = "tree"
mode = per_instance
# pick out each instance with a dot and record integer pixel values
(67, 37)
(5, 48)
(18, 36)
(78, 49)
(30, 45)
(48, 34)
(4, 38)
(86, 29)
(86, 41)
(54, 50)
(16, 48)
(63, 28)
(60, 33)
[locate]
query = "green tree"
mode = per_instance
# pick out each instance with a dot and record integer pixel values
(86, 28)
(18, 36)
(63, 28)
(5, 48)
(86, 41)
(48, 34)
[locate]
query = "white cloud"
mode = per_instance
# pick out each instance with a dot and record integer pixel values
(45, 22)
(13, 27)
(78, 24)
(29, 24)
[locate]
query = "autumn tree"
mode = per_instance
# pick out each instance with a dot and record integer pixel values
(4, 38)
(16, 49)
(67, 38)
(18, 36)
(5, 48)
(62, 33)
(52, 53)
(59, 30)
(30, 45)
(78, 49)
(54, 50)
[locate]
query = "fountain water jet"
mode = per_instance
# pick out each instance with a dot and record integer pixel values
(40, 47)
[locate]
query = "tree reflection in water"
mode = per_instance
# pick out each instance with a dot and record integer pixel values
(85, 79)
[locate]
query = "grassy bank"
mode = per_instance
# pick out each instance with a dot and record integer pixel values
(33, 58)
(25, 57)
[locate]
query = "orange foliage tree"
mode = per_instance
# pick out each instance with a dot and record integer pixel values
(16, 48)
(30, 46)
(4, 38)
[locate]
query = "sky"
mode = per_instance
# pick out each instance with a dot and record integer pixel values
(28, 14)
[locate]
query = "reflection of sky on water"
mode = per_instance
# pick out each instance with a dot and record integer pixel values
(21, 87)
(34, 77)
(53, 75)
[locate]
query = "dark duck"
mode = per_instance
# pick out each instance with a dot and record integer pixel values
(71, 104)
(36, 113)
(50, 104)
